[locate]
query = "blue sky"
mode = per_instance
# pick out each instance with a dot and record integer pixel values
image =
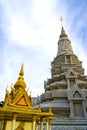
(29, 32)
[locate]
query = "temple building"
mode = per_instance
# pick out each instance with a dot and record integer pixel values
(17, 113)
(66, 90)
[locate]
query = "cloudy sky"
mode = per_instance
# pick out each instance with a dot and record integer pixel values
(29, 32)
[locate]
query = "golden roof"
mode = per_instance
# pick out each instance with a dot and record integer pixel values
(18, 101)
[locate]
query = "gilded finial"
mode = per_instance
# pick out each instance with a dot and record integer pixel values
(20, 83)
(39, 107)
(22, 70)
(50, 109)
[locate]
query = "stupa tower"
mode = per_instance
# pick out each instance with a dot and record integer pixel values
(66, 90)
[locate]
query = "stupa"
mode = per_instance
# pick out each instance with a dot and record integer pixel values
(66, 90)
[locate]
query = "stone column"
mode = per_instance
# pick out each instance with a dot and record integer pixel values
(13, 121)
(84, 108)
(71, 59)
(68, 82)
(65, 60)
(71, 109)
(76, 82)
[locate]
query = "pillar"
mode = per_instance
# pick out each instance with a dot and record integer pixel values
(41, 124)
(34, 123)
(76, 82)
(84, 108)
(36, 128)
(65, 60)
(71, 109)
(68, 82)
(13, 121)
(47, 124)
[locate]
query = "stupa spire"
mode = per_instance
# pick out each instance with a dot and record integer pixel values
(63, 34)
(61, 19)
(64, 44)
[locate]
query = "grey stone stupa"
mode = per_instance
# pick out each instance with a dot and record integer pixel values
(66, 90)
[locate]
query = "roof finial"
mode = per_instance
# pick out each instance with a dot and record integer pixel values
(22, 70)
(20, 83)
(61, 21)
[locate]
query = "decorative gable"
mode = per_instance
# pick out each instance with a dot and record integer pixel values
(21, 101)
(75, 93)
(71, 74)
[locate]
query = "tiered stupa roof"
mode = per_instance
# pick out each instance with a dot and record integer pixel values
(67, 77)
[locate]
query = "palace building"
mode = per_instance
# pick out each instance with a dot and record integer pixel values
(17, 113)
(66, 90)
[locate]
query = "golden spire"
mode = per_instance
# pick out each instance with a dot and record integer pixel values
(22, 70)
(20, 83)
